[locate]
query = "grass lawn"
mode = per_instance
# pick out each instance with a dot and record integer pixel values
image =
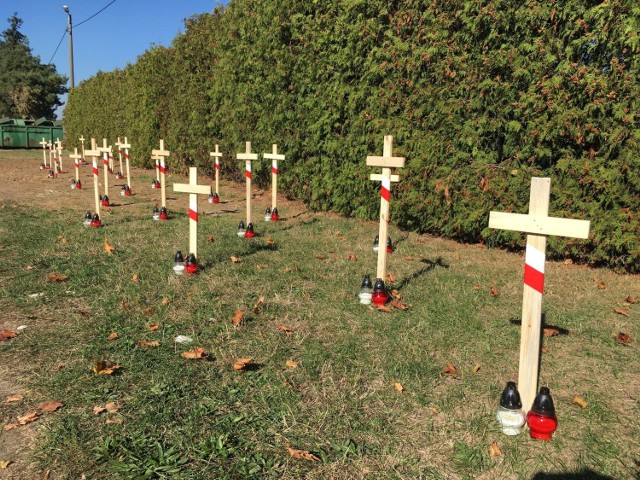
(174, 417)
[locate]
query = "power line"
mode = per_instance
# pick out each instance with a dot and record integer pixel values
(59, 43)
(99, 11)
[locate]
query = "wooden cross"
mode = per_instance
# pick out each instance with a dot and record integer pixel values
(126, 147)
(95, 154)
(387, 162)
(59, 148)
(82, 143)
(119, 145)
(160, 155)
(50, 147)
(248, 156)
(538, 225)
(44, 151)
(76, 158)
(217, 154)
(274, 157)
(193, 189)
(105, 163)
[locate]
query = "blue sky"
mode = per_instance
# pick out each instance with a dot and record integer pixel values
(113, 38)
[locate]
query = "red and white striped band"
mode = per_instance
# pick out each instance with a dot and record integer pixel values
(247, 171)
(385, 188)
(534, 269)
(193, 215)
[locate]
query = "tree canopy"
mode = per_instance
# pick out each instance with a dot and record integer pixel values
(28, 88)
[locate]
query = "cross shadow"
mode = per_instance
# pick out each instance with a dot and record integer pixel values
(543, 325)
(584, 474)
(300, 224)
(429, 265)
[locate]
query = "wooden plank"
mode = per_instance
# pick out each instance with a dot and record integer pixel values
(378, 177)
(385, 162)
(273, 156)
(539, 225)
(247, 156)
(186, 188)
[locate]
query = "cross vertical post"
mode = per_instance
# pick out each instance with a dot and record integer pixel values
(119, 145)
(217, 154)
(538, 225)
(105, 164)
(274, 157)
(76, 158)
(387, 162)
(193, 189)
(59, 148)
(126, 146)
(160, 155)
(44, 151)
(82, 143)
(49, 145)
(95, 154)
(248, 157)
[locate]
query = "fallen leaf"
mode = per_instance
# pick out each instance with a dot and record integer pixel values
(97, 410)
(568, 261)
(494, 450)
(57, 278)
(134, 278)
(149, 310)
(476, 368)
(484, 184)
(6, 335)
(391, 277)
(623, 338)
(258, 303)
(108, 248)
(321, 257)
(302, 454)
(551, 331)
(110, 407)
(102, 368)
(270, 241)
(384, 308)
(5, 463)
(147, 344)
(398, 386)
(25, 419)
(398, 304)
(235, 259)
(630, 300)
(291, 364)
(396, 294)
(237, 318)
(50, 406)
(494, 292)
(166, 301)
(242, 363)
(620, 311)
(153, 327)
(450, 369)
(580, 401)
(16, 397)
(352, 258)
(112, 336)
(210, 239)
(602, 286)
(284, 329)
(544, 349)
(196, 353)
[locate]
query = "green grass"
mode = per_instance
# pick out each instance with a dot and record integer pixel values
(201, 419)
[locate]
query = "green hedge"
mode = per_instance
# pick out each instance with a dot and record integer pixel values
(479, 95)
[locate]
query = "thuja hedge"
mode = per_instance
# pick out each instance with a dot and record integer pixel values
(479, 95)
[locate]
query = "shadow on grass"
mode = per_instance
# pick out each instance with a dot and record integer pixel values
(429, 265)
(586, 474)
(543, 325)
(300, 224)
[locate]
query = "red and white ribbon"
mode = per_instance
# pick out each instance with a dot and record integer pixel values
(385, 188)
(217, 163)
(126, 154)
(162, 168)
(95, 168)
(534, 268)
(274, 167)
(247, 171)
(105, 159)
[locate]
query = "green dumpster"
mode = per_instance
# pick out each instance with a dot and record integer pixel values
(19, 133)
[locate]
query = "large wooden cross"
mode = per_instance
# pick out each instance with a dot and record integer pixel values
(248, 157)
(119, 145)
(387, 162)
(105, 163)
(76, 159)
(95, 154)
(59, 149)
(44, 151)
(217, 154)
(274, 156)
(160, 154)
(538, 225)
(126, 146)
(193, 189)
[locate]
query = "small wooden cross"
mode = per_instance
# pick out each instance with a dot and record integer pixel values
(274, 157)
(76, 158)
(248, 156)
(50, 147)
(217, 154)
(104, 149)
(59, 148)
(160, 155)
(110, 152)
(82, 144)
(95, 154)
(119, 145)
(44, 151)
(126, 147)
(387, 162)
(538, 225)
(193, 189)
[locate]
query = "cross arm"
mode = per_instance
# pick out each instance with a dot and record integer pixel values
(539, 225)
(273, 156)
(386, 162)
(92, 153)
(247, 156)
(378, 177)
(186, 188)
(125, 145)
(161, 152)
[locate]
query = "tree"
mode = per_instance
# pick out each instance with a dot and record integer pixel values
(28, 88)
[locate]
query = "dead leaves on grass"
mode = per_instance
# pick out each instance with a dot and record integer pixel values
(284, 329)
(398, 386)
(242, 364)
(620, 311)
(258, 303)
(623, 338)
(195, 354)
(148, 344)
(451, 370)
(14, 398)
(53, 277)
(494, 292)
(235, 259)
(494, 450)
(110, 407)
(302, 454)
(112, 336)
(107, 247)
(6, 335)
(291, 364)
(101, 367)
(580, 401)
(238, 318)
(550, 331)
(49, 406)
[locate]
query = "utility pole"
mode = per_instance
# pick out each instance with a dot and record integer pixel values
(70, 31)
